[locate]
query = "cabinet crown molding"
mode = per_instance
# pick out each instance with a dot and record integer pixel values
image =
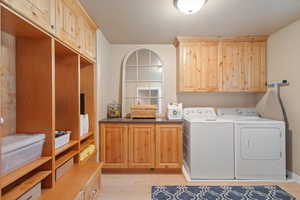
(196, 39)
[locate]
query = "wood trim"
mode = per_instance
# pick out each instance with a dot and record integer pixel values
(141, 170)
(188, 39)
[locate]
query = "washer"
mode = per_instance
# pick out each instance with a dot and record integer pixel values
(260, 151)
(208, 145)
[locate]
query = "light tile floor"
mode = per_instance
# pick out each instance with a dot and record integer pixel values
(138, 186)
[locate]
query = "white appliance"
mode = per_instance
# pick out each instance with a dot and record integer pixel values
(208, 145)
(259, 145)
(175, 111)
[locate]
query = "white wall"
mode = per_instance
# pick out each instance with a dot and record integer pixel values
(104, 80)
(284, 63)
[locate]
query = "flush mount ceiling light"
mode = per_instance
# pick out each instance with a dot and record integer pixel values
(189, 6)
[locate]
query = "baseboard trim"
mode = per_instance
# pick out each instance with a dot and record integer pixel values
(141, 171)
(189, 180)
(293, 176)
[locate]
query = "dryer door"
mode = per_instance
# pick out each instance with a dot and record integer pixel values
(261, 143)
(260, 151)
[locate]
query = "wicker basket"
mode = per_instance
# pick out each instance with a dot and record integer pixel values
(143, 111)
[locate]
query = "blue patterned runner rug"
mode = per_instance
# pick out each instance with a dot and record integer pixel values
(219, 193)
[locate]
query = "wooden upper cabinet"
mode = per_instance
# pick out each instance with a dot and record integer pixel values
(41, 12)
(198, 67)
(243, 66)
(255, 67)
(232, 66)
(141, 146)
(212, 64)
(87, 34)
(114, 145)
(67, 22)
(168, 146)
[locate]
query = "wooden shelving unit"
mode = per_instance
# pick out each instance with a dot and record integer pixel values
(26, 185)
(65, 147)
(49, 79)
(88, 135)
(84, 144)
(15, 175)
(64, 158)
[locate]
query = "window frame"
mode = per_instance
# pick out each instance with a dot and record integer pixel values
(161, 98)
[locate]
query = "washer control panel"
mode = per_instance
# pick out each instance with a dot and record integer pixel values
(199, 113)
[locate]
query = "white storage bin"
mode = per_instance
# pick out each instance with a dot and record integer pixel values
(84, 124)
(62, 140)
(20, 149)
(33, 194)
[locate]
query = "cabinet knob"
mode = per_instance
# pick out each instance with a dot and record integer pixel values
(1, 120)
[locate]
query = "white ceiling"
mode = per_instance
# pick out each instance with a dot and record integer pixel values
(157, 21)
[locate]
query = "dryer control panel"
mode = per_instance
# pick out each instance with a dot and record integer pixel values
(240, 112)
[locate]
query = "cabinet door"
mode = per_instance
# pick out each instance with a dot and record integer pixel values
(87, 39)
(92, 189)
(188, 73)
(255, 67)
(232, 66)
(168, 146)
(67, 22)
(41, 12)
(198, 67)
(114, 145)
(141, 146)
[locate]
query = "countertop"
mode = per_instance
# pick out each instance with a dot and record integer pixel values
(128, 120)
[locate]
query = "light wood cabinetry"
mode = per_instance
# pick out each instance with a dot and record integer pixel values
(49, 78)
(168, 146)
(141, 146)
(92, 188)
(255, 67)
(41, 12)
(243, 66)
(114, 145)
(198, 71)
(67, 22)
(235, 64)
(87, 38)
(148, 146)
(65, 19)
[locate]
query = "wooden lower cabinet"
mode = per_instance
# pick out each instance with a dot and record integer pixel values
(143, 146)
(168, 146)
(92, 189)
(114, 145)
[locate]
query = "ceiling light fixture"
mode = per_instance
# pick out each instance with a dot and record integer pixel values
(189, 6)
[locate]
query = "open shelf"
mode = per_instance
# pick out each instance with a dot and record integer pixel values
(26, 185)
(15, 175)
(86, 143)
(64, 158)
(89, 134)
(65, 147)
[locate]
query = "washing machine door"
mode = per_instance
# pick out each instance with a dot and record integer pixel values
(260, 151)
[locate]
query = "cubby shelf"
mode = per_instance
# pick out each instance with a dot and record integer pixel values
(17, 191)
(86, 136)
(15, 175)
(86, 143)
(60, 161)
(65, 147)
